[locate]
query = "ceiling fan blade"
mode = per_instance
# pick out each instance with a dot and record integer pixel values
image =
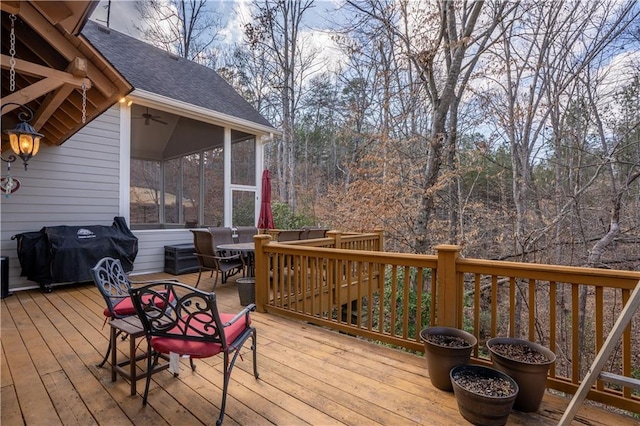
(159, 121)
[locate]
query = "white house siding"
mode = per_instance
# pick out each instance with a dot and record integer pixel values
(151, 244)
(75, 184)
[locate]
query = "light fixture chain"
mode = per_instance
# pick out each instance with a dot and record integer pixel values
(12, 52)
(84, 103)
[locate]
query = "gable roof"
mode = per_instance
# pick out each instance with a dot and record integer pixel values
(51, 64)
(158, 71)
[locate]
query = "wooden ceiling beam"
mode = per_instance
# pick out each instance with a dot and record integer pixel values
(74, 77)
(59, 42)
(54, 11)
(11, 7)
(28, 94)
(50, 105)
(53, 100)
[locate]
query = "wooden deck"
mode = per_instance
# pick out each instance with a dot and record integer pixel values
(308, 375)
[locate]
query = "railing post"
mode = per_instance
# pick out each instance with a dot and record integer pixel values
(448, 292)
(336, 235)
(261, 271)
(380, 232)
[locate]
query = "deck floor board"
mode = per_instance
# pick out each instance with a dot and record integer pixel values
(52, 342)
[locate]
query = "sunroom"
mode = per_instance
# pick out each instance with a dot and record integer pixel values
(179, 167)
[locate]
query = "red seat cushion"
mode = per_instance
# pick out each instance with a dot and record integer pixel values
(196, 348)
(125, 306)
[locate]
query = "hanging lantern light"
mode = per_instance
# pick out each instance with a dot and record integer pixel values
(24, 140)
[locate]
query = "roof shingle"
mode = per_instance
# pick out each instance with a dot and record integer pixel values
(157, 71)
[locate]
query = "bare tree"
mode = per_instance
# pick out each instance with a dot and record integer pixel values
(276, 31)
(247, 71)
(543, 55)
(186, 28)
(444, 41)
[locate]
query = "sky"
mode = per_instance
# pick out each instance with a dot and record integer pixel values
(234, 14)
(318, 24)
(123, 15)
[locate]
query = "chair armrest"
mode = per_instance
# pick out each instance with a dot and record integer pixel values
(233, 256)
(243, 313)
(141, 283)
(164, 280)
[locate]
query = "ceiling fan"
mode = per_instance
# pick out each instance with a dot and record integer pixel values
(150, 117)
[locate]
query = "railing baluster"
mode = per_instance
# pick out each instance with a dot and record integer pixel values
(575, 335)
(371, 269)
(512, 304)
(392, 300)
(434, 297)
(476, 311)
(494, 305)
(599, 314)
(552, 323)
(419, 298)
(626, 348)
(405, 302)
(532, 310)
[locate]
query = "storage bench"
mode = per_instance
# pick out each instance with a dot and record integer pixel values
(180, 259)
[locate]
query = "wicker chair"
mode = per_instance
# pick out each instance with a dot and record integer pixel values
(289, 235)
(246, 233)
(209, 259)
(221, 235)
(310, 233)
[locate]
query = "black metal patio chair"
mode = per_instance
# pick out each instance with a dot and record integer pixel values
(184, 320)
(114, 284)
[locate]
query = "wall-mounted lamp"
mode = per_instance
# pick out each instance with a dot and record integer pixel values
(24, 140)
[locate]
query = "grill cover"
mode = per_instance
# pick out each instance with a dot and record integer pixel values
(67, 253)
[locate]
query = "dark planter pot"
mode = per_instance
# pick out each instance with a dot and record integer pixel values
(441, 359)
(531, 377)
(246, 290)
(478, 408)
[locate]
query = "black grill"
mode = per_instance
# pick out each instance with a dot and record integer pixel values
(64, 254)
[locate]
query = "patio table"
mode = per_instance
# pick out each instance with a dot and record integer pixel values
(247, 249)
(128, 368)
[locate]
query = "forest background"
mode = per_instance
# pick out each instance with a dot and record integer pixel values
(510, 128)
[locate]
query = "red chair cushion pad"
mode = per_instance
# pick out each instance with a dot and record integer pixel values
(200, 349)
(125, 306)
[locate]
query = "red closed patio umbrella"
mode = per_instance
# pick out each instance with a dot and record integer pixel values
(265, 221)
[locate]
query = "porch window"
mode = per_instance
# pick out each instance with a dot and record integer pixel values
(243, 164)
(243, 180)
(182, 189)
(213, 187)
(191, 182)
(145, 191)
(171, 191)
(177, 172)
(244, 207)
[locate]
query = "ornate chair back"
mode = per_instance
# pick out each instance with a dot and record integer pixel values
(184, 320)
(114, 285)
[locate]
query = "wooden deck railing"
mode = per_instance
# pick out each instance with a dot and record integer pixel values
(347, 283)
